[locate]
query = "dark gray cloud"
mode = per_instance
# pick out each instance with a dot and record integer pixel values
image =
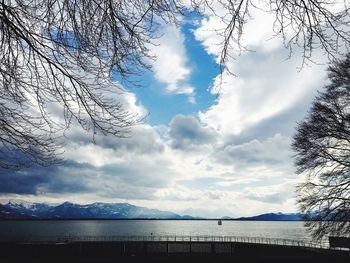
(274, 197)
(37, 180)
(14, 182)
(129, 180)
(187, 131)
(139, 173)
(272, 151)
(142, 139)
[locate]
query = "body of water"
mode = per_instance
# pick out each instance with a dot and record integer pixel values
(46, 230)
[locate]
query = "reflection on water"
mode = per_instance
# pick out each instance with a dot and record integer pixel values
(48, 229)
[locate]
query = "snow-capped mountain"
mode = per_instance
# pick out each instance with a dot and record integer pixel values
(17, 209)
(21, 209)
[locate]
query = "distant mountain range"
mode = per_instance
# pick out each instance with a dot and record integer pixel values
(16, 209)
(25, 210)
(274, 217)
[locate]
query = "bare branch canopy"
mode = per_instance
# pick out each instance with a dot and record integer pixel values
(63, 56)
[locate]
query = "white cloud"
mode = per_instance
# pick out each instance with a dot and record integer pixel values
(170, 65)
(265, 86)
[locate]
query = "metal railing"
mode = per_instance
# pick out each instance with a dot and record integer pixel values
(172, 238)
(195, 239)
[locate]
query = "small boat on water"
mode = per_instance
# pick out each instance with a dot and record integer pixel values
(219, 222)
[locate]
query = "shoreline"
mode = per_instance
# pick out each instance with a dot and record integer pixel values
(143, 219)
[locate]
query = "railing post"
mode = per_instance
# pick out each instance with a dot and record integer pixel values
(190, 246)
(80, 249)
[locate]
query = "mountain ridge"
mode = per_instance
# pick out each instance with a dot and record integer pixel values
(274, 217)
(67, 210)
(18, 209)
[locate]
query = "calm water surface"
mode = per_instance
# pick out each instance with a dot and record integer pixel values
(50, 229)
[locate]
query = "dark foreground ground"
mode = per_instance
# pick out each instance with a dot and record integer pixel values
(134, 252)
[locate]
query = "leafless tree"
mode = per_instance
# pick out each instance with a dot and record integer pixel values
(322, 146)
(303, 24)
(67, 52)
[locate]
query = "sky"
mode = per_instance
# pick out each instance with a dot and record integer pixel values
(212, 145)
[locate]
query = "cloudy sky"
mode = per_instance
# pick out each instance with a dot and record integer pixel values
(211, 146)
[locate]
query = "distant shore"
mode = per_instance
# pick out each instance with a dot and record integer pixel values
(161, 219)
